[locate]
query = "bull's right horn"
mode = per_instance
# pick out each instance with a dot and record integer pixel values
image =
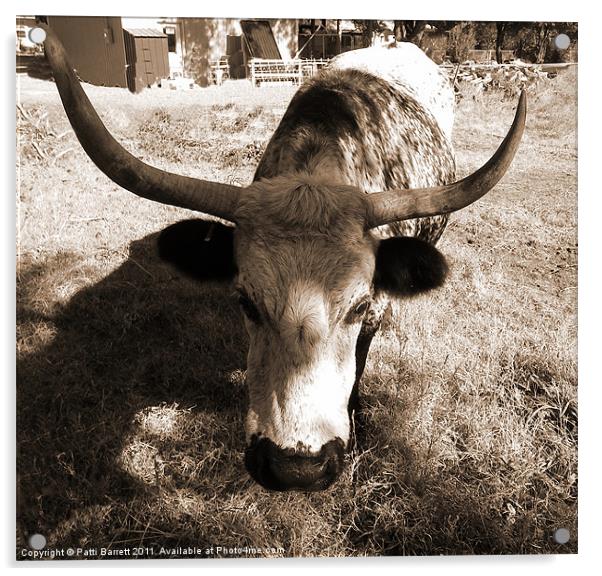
(121, 166)
(396, 205)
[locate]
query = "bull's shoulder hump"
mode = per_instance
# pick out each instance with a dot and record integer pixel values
(411, 71)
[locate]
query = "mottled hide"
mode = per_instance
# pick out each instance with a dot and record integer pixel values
(411, 72)
(352, 127)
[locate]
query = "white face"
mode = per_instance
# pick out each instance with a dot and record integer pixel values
(305, 284)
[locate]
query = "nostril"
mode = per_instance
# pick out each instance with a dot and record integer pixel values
(279, 469)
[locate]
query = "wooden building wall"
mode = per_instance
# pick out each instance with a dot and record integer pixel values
(95, 46)
(147, 59)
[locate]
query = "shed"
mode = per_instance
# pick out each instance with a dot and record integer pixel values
(260, 39)
(146, 53)
(95, 47)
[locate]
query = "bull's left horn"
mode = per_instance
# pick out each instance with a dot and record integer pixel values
(121, 166)
(395, 205)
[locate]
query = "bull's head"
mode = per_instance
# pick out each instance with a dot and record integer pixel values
(306, 267)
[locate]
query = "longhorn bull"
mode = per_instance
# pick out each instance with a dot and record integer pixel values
(347, 203)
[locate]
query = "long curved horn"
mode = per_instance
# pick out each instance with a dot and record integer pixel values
(395, 205)
(121, 166)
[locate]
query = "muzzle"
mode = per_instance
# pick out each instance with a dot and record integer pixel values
(287, 469)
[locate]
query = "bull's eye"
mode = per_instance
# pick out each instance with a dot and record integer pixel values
(358, 311)
(249, 308)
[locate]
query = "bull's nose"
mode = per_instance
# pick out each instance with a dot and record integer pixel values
(278, 469)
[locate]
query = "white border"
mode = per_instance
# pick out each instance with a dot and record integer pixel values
(590, 51)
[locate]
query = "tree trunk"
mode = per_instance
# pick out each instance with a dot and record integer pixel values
(415, 34)
(542, 42)
(409, 30)
(499, 41)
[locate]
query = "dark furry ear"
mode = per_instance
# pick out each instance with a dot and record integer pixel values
(201, 249)
(407, 266)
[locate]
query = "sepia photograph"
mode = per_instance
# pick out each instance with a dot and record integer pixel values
(295, 287)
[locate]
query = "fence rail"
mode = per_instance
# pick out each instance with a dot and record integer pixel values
(295, 71)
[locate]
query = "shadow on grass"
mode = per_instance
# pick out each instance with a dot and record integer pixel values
(140, 337)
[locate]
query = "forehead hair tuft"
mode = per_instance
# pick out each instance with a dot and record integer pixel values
(302, 204)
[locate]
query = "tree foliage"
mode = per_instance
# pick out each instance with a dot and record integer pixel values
(461, 39)
(530, 41)
(369, 29)
(534, 41)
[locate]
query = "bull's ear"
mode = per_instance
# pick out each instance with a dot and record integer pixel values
(200, 249)
(407, 266)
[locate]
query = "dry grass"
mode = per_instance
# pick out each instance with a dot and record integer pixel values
(131, 391)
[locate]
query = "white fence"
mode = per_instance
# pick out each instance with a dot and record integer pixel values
(294, 71)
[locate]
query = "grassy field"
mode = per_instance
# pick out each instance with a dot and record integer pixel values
(130, 378)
